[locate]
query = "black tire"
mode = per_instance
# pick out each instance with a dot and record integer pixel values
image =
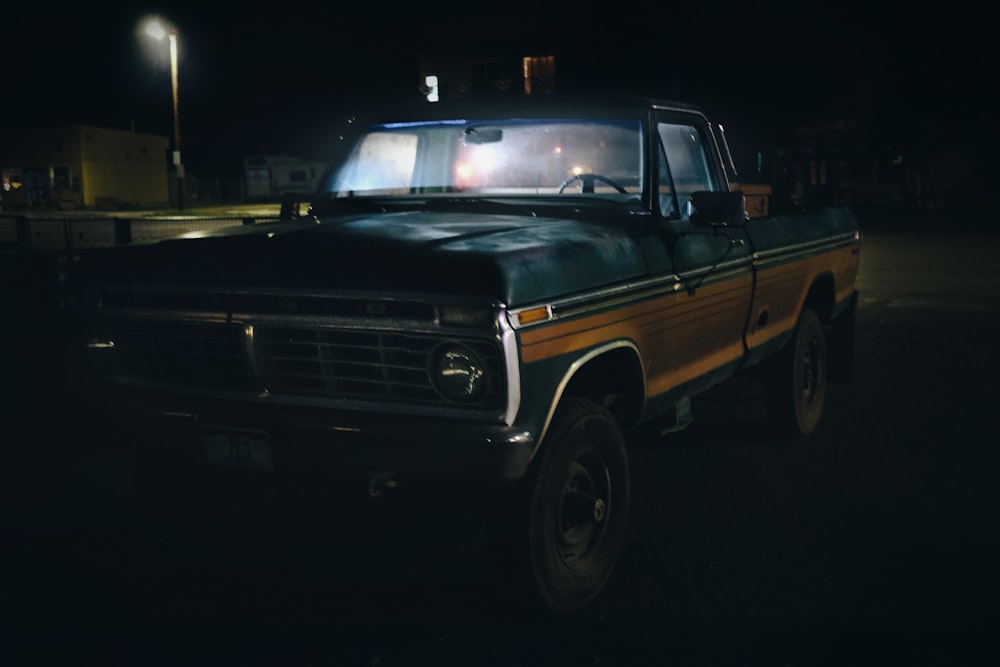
(795, 379)
(576, 501)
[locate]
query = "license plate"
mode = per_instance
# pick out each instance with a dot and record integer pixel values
(237, 448)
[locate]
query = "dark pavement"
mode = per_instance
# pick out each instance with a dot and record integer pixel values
(873, 542)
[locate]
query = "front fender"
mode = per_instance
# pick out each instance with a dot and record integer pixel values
(608, 373)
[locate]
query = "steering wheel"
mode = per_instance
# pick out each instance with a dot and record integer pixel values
(587, 181)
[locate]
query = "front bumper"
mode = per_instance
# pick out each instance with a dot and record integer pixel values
(316, 439)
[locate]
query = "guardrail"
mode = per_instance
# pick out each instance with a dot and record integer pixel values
(36, 253)
(71, 234)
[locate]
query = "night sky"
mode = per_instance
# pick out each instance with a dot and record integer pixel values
(281, 78)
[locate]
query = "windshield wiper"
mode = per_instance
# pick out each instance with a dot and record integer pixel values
(467, 204)
(526, 205)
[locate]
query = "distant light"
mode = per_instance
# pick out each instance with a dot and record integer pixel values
(577, 170)
(431, 84)
(155, 30)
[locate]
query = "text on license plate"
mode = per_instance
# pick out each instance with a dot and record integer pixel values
(237, 448)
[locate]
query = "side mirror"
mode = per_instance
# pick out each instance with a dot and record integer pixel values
(723, 209)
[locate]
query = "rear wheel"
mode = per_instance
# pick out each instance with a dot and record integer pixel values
(577, 504)
(795, 379)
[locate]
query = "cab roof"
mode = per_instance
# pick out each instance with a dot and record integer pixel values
(521, 106)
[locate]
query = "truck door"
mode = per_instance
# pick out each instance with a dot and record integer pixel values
(701, 334)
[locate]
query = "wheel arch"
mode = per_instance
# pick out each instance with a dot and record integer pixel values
(821, 297)
(611, 376)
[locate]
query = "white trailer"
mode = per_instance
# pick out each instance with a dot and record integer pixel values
(269, 177)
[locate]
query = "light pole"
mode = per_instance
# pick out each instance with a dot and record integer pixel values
(155, 30)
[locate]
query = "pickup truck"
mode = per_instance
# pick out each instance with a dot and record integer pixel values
(488, 297)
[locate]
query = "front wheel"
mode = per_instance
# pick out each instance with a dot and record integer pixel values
(795, 379)
(577, 505)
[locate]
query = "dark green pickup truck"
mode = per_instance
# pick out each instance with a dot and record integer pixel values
(489, 297)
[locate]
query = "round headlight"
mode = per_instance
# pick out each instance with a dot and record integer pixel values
(458, 373)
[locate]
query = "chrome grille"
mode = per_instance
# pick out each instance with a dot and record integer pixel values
(284, 360)
(191, 353)
(358, 364)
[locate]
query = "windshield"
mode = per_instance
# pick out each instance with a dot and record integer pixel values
(467, 158)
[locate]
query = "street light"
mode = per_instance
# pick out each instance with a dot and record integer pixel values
(157, 31)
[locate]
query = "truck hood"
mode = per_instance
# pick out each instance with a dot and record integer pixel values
(517, 259)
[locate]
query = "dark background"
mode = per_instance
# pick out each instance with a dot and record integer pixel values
(874, 543)
(283, 77)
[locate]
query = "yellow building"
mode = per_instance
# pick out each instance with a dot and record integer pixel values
(82, 166)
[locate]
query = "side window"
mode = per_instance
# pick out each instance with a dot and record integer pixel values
(688, 163)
